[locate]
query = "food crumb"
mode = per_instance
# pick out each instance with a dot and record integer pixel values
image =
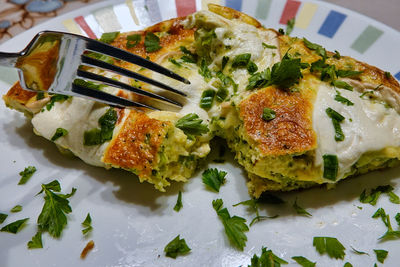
(87, 249)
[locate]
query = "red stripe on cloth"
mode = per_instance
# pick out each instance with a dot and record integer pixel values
(82, 22)
(289, 11)
(185, 7)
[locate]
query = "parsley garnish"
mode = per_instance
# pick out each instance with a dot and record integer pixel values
(178, 204)
(358, 252)
(243, 61)
(225, 60)
(390, 234)
(300, 210)
(267, 258)
(207, 99)
(381, 254)
(87, 224)
(387, 75)
(268, 114)
(347, 264)
(133, 40)
(337, 55)
(343, 100)
(54, 99)
(151, 42)
(108, 37)
(397, 217)
(226, 81)
(234, 226)
(176, 247)
(269, 46)
(329, 245)
(290, 26)
(336, 120)
(188, 56)
(99, 136)
(3, 217)
(331, 166)
(348, 73)
(283, 74)
(16, 208)
(59, 133)
(316, 47)
(36, 241)
(204, 70)
(253, 204)
(26, 174)
(342, 84)
(14, 227)
(375, 193)
(173, 61)
(304, 262)
(214, 178)
(53, 217)
(192, 125)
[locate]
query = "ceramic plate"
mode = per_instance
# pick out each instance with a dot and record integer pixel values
(132, 222)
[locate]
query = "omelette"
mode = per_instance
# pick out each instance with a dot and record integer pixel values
(294, 114)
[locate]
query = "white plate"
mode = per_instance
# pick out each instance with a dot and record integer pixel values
(133, 222)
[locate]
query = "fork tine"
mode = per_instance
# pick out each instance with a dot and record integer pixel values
(118, 84)
(108, 98)
(100, 47)
(104, 65)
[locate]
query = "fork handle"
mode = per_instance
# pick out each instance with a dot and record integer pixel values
(8, 59)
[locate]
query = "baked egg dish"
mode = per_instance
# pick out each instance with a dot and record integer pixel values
(294, 114)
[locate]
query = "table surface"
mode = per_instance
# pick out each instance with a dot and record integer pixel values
(16, 18)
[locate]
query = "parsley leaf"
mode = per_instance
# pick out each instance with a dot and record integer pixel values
(54, 99)
(343, 100)
(375, 193)
(36, 241)
(87, 224)
(14, 227)
(26, 174)
(347, 264)
(16, 208)
(393, 197)
(300, 210)
(151, 42)
(188, 57)
(267, 258)
(269, 46)
(329, 245)
(178, 204)
(99, 136)
(3, 217)
(176, 247)
(290, 26)
(191, 125)
(304, 261)
(342, 84)
(358, 252)
(59, 133)
(133, 40)
(381, 254)
(397, 217)
(253, 204)
(283, 74)
(348, 73)
(214, 178)
(234, 226)
(268, 114)
(53, 217)
(108, 37)
(390, 233)
(316, 47)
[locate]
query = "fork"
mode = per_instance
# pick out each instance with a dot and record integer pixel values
(64, 54)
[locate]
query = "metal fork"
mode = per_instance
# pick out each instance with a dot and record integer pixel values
(64, 54)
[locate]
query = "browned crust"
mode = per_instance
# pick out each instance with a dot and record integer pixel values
(136, 145)
(290, 132)
(16, 93)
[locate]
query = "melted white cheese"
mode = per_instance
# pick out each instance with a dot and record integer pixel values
(368, 126)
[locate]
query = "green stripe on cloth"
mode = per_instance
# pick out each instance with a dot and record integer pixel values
(366, 39)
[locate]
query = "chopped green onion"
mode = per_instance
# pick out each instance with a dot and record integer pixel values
(331, 166)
